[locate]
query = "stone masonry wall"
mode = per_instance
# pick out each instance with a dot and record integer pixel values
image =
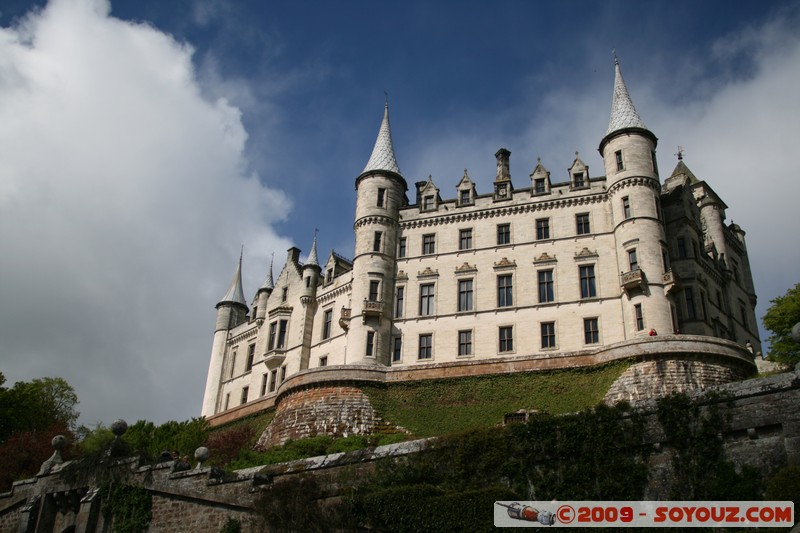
(336, 410)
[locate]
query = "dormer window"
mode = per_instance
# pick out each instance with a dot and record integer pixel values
(464, 197)
(578, 180)
(428, 202)
(539, 186)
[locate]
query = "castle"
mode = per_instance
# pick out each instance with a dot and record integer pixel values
(533, 275)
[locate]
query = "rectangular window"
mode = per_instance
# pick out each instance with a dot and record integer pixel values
(273, 378)
(425, 346)
(548, 334)
(638, 315)
(465, 295)
(399, 300)
(376, 243)
(308, 281)
(720, 302)
(264, 380)
(426, 296)
(329, 275)
(428, 244)
(282, 325)
(591, 333)
(505, 296)
(626, 207)
(374, 288)
(546, 293)
(397, 348)
(381, 196)
(327, 320)
(233, 364)
(465, 239)
(503, 234)
(743, 313)
(539, 186)
(665, 260)
(284, 294)
(632, 261)
(323, 361)
(251, 354)
(245, 392)
(427, 202)
(618, 157)
(370, 351)
(588, 289)
(582, 221)
(542, 228)
(577, 180)
(465, 342)
(272, 332)
(653, 161)
(283, 374)
(506, 338)
(464, 197)
(227, 401)
(688, 293)
(681, 248)
(401, 247)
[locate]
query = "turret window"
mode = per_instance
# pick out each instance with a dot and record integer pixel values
(376, 243)
(370, 344)
(638, 316)
(251, 353)
(381, 197)
(626, 207)
(618, 159)
(653, 161)
(233, 364)
(374, 288)
(632, 260)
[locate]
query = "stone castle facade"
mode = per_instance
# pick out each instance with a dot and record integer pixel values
(537, 273)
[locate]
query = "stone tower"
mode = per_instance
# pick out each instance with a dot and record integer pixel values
(231, 311)
(380, 193)
(634, 190)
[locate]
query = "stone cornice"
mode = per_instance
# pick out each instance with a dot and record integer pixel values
(635, 180)
(495, 211)
(245, 335)
(374, 219)
(332, 295)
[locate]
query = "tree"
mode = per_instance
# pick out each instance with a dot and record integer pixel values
(780, 318)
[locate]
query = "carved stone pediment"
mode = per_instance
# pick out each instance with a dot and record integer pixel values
(428, 273)
(466, 267)
(505, 263)
(586, 254)
(545, 258)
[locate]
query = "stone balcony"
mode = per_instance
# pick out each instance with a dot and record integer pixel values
(632, 280)
(372, 308)
(671, 282)
(344, 318)
(274, 358)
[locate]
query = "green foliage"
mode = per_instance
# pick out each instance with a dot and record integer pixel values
(231, 525)
(36, 405)
(294, 505)
(182, 437)
(693, 430)
(128, 506)
(782, 315)
(785, 486)
(438, 407)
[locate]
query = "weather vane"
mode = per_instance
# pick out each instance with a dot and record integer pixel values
(680, 153)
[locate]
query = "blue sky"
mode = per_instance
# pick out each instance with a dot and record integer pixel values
(142, 143)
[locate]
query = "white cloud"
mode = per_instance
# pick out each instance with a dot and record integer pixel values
(124, 195)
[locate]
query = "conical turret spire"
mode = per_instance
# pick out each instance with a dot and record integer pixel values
(623, 114)
(382, 157)
(312, 256)
(235, 293)
(269, 283)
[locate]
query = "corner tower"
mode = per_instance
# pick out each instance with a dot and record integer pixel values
(634, 190)
(380, 193)
(231, 311)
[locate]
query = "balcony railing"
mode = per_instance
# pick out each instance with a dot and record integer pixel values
(671, 281)
(372, 308)
(631, 280)
(344, 318)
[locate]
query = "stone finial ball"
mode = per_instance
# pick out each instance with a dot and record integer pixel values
(201, 453)
(119, 427)
(59, 441)
(796, 332)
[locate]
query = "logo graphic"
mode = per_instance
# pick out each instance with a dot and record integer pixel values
(529, 514)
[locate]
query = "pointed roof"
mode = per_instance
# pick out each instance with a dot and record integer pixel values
(235, 293)
(382, 157)
(682, 170)
(623, 114)
(312, 256)
(269, 283)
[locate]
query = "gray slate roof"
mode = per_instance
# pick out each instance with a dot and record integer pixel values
(623, 114)
(382, 157)
(235, 293)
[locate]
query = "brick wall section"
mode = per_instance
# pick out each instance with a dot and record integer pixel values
(659, 377)
(173, 515)
(336, 410)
